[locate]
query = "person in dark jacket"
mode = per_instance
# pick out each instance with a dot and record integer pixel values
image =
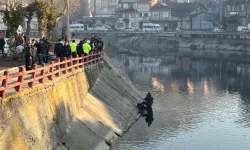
(2, 43)
(99, 45)
(79, 48)
(148, 100)
(28, 57)
(47, 47)
(34, 51)
(41, 51)
(67, 51)
(59, 49)
(146, 110)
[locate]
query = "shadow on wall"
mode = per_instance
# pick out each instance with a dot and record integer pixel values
(77, 112)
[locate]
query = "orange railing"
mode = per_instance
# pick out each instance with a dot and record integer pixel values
(16, 80)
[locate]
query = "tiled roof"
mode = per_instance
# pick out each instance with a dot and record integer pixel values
(179, 9)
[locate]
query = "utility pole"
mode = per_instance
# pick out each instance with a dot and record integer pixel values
(247, 17)
(221, 9)
(67, 23)
(94, 7)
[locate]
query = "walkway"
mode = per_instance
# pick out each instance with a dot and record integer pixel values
(16, 79)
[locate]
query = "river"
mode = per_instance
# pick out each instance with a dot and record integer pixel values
(198, 104)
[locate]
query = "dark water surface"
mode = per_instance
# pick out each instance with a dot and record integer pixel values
(198, 105)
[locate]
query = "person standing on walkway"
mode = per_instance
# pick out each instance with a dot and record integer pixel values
(73, 47)
(47, 48)
(2, 43)
(59, 50)
(28, 57)
(41, 51)
(34, 51)
(67, 51)
(79, 48)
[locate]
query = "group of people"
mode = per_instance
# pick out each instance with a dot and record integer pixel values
(66, 49)
(84, 47)
(37, 50)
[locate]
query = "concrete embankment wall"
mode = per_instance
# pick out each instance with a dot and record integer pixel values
(216, 43)
(82, 110)
(190, 46)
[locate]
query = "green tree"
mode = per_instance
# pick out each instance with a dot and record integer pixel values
(46, 15)
(13, 16)
(233, 21)
(50, 11)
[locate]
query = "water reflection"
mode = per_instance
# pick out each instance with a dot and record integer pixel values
(197, 102)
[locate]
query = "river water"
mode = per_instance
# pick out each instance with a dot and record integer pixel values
(198, 104)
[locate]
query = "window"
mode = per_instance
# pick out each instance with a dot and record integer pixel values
(140, 15)
(242, 7)
(155, 15)
(119, 15)
(120, 25)
(133, 15)
(132, 24)
(165, 14)
(126, 15)
(145, 14)
(130, 6)
(228, 8)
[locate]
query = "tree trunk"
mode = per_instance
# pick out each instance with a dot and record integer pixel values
(12, 48)
(28, 29)
(54, 34)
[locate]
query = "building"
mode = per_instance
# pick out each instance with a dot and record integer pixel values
(161, 14)
(192, 16)
(126, 14)
(104, 17)
(143, 12)
(185, 16)
(203, 20)
(239, 9)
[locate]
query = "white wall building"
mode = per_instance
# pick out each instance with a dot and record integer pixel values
(127, 14)
(144, 14)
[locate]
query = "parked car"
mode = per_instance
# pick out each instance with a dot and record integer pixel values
(245, 30)
(76, 27)
(217, 30)
(241, 28)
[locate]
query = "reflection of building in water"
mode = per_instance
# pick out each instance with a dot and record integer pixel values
(148, 65)
(206, 89)
(190, 86)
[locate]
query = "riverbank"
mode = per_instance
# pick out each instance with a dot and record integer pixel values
(234, 49)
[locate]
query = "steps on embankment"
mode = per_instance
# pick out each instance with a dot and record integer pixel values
(82, 110)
